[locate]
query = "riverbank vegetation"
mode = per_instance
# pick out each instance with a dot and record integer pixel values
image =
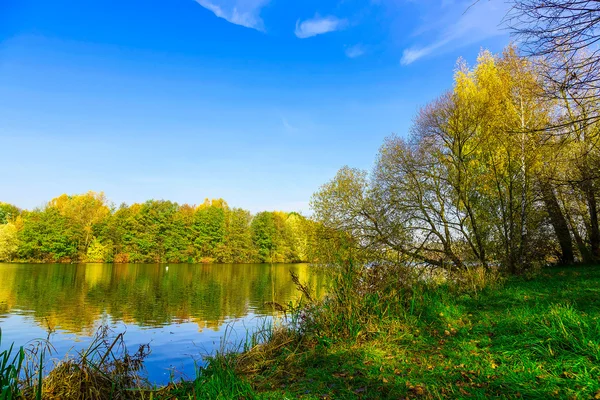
(389, 336)
(443, 287)
(87, 228)
(441, 256)
(493, 173)
(477, 337)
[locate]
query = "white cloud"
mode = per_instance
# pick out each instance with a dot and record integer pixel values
(318, 25)
(413, 54)
(240, 12)
(355, 51)
(472, 23)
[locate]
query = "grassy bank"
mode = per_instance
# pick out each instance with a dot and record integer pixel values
(385, 335)
(535, 337)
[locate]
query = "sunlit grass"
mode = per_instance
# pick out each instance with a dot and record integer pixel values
(531, 338)
(381, 335)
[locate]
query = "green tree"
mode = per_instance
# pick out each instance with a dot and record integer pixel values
(96, 252)
(209, 230)
(263, 235)
(84, 228)
(463, 188)
(45, 237)
(8, 212)
(9, 241)
(238, 237)
(298, 236)
(81, 213)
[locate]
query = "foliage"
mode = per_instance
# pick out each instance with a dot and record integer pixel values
(480, 181)
(45, 236)
(85, 228)
(239, 247)
(532, 338)
(8, 213)
(104, 370)
(96, 252)
(280, 237)
(9, 241)
(81, 213)
(11, 362)
(263, 235)
(386, 336)
(209, 229)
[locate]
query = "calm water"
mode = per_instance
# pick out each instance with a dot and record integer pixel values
(182, 311)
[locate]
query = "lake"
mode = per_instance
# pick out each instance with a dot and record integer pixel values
(182, 311)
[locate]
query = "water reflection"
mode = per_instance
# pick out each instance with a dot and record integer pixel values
(152, 302)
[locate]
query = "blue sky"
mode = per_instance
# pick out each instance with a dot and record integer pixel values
(255, 101)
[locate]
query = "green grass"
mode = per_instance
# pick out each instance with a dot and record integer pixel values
(534, 338)
(384, 335)
(11, 361)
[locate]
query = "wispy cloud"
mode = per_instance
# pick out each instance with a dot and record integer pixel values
(472, 23)
(318, 25)
(240, 12)
(355, 51)
(413, 54)
(288, 127)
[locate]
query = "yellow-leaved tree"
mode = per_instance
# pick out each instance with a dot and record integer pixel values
(82, 213)
(9, 241)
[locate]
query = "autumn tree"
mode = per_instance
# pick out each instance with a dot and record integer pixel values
(82, 213)
(84, 228)
(510, 90)
(469, 186)
(9, 241)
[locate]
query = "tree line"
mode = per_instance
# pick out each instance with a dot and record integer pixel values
(87, 228)
(494, 172)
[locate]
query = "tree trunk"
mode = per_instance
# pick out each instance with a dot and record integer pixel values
(559, 223)
(594, 234)
(586, 256)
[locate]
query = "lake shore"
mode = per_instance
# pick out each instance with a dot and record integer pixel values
(536, 337)
(184, 311)
(530, 337)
